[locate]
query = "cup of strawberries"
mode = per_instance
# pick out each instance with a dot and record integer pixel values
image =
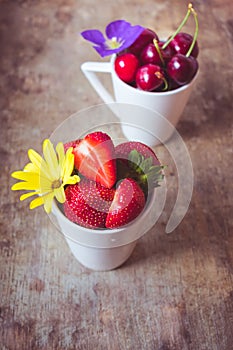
(98, 188)
(155, 73)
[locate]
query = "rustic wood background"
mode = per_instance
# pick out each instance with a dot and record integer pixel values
(176, 291)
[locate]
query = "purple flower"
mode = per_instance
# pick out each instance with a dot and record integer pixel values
(120, 35)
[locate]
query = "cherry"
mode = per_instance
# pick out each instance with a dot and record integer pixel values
(167, 52)
(150, 54)
(182, 69)
(182, 42)
(149, 77)
(126, 66)
(144, 38)
(152, 65)
(172, 85)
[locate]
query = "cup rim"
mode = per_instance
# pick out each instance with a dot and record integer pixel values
(152, 93)
(149, 202)
(102, 238)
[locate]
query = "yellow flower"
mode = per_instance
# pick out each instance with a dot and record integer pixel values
(46, 177)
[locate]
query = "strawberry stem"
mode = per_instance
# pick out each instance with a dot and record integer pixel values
(195, 34)
(155, 42)
(190, 7)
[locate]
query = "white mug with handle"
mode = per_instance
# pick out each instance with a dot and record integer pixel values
(159, 112)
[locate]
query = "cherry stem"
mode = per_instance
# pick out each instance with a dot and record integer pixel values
(165, 84)
(160, 76)
(155, 42)
(195, 34)
(190, 8)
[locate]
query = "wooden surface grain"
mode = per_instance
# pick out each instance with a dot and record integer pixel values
(175, 291)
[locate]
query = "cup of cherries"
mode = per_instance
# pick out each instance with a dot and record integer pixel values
(151, 64)
(146, 70)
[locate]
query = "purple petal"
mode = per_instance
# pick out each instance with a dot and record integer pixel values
(117, 28)
(104, 51)
(124, 32)
(93, 35)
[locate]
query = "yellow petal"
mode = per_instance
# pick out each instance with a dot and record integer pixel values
(68, 157)
(68, 164)
(35, 158)
(26, 176)
(28, 195)
(71, 180)
(31, 168)
(60, 194)
(60, 153)
(48, 199)
(36, 202)
(45, 185)
(24, 186)
(16, 174)
(34, 180)
(51, 158)
(39, 163)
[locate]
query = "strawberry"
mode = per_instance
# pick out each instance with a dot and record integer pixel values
(123, 150)
(138, 161)
(71, 144)
(128, 202)
(94, 158)
(87, 203)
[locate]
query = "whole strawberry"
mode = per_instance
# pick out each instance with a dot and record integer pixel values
(128, 203)
(87, 203)
(139, 162)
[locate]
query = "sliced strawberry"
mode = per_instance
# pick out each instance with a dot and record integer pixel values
(94, 158)
(87, 203)
(128, 202)
(72, 144)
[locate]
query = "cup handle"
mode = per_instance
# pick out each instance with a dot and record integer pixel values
(90, 69)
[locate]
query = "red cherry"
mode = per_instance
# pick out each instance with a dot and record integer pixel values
(144, 38)
(149, 77)
(167, 53)
(150, 54)
(182, 42)
(126, 66)
(182, 69)
(172, 85)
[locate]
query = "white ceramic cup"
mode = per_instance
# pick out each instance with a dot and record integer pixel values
(103, 250)
(107, 249)
(167, 106)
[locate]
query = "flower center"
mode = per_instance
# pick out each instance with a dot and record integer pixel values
(113, 43)
(56, 184)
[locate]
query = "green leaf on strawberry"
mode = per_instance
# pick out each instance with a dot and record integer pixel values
(138, 161)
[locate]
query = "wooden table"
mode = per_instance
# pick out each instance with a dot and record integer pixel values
(176, 290)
